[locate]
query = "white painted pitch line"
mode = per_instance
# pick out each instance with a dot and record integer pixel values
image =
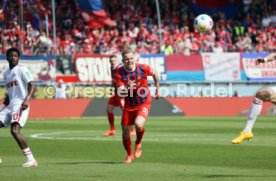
(150, 137)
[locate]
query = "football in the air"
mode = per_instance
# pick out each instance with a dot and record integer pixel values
(203, 23)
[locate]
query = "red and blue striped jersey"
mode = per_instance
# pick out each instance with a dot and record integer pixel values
(137, 84)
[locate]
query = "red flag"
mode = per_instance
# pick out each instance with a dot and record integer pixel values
(94, 15)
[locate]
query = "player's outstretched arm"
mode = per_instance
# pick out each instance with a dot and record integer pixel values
(156, 83)
(31, 90)
(270, 57)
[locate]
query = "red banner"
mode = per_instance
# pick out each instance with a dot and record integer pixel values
(75, 108)
(67, 78)
(184, 63)
(224, 106)
(61, 108)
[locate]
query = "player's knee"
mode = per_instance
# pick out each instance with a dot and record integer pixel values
(138, 128)
(264, 95)
(139, 122)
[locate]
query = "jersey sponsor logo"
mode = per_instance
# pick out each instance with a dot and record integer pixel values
(132, 84)
(11, 84)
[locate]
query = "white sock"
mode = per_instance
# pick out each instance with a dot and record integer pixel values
(255, 110)
(28, 154)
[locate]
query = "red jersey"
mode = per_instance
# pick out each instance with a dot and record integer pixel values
(113, 75)
(115, 100)
(113, 81)
(137, 84)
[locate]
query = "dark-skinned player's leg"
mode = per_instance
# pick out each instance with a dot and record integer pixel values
(1, 126)
(15, 131)
(22, 143)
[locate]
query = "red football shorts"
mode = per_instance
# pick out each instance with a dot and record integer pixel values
(115, 101)
(129, 116)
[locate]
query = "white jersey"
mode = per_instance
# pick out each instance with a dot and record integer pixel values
(61, 92)
(16, 81)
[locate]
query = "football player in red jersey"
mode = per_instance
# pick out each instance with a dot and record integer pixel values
(131, 79)
(114, 101)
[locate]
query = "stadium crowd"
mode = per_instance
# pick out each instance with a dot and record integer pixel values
(253, 29)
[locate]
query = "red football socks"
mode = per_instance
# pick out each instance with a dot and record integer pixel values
(139, 136)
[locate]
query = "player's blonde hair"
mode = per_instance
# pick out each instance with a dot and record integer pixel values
(127, 51)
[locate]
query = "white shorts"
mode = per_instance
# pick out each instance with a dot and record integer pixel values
(14, 114)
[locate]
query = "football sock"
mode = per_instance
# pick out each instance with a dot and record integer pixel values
(255, 110)
(139, 135)
(27, 152)
(127, 145)
(111, 120)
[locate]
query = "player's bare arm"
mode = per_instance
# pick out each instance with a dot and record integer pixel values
(156, 83)
(6, 102)
(31, 90)
(268, 58)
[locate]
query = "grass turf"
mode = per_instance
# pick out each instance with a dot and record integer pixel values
(174, 148)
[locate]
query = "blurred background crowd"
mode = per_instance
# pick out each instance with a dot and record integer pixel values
(253, 28)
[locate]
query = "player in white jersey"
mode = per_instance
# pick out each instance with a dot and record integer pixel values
(263, 95)
(16, 106)
(60, 90)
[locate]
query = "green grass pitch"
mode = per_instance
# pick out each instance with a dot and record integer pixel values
(174, 148)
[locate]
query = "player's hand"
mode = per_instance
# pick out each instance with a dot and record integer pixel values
(157, 93)
(25, 105)
(260, 60)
